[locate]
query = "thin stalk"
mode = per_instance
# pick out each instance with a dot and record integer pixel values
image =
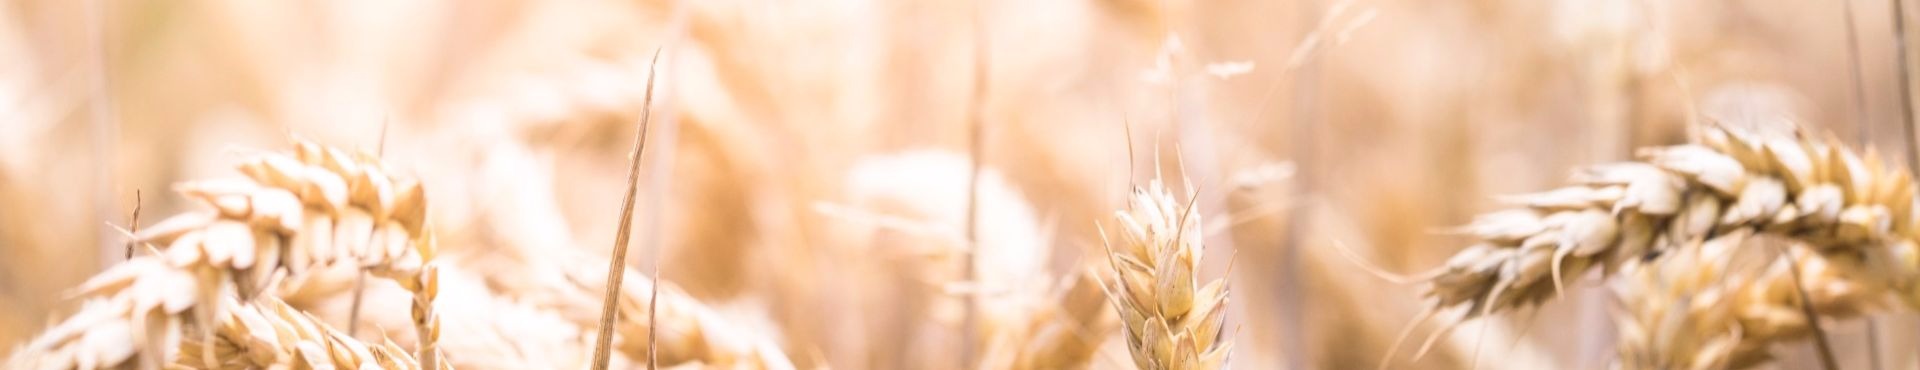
(360, 280)
(359, 294)
(133, 225)
(617, 266)
(1906, 95)
(1906, 81)
(976, 151)
(104, 131)
(1820, 344)
(1864, 122)
(663, 167)
(1864, 128)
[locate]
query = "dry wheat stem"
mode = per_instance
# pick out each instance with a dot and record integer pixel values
(133, 223)
(1905, 82)
(617, 264)
(260, 235)
(1170, 319)
(976, 149)
(360, 278)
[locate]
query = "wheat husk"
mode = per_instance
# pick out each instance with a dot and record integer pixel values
(1774, 183)
(269, 334)
(1702, 308)
(263, 235)
(1170, 319)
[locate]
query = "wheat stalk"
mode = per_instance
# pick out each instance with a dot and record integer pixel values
(1696, 309)
(1171, 321)
(292, 215)
(426, 321)
(1747, 179)
(268, 334)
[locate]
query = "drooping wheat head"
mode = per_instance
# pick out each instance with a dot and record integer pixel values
(1777, 182)
(259, 236)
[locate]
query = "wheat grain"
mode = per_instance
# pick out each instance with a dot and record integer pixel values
(1776, 182)
(262, 235)
(268, 334)
(1171, 321)
(1698, 309)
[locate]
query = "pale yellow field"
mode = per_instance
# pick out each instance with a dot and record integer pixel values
(865, 184)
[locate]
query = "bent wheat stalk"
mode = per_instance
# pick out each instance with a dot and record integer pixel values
(260, 235)
(1171, 321)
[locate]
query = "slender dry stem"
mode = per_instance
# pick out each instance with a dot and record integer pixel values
(1820, 345)
(360, 278)
(1906, 80)
(617, 264)
(133, 223)
(976, 149)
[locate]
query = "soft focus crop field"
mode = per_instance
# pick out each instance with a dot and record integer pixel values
(872, 184)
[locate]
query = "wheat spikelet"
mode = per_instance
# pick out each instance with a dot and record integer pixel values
(260, 235)
(1171, 321)
(1060, 332)
(1777, 182)
(268, 334)
(426, 321)
(1697, 309)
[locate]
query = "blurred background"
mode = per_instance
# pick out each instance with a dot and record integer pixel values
(786, 132)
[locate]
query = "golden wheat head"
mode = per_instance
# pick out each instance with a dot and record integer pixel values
(291, 215)
(1171, 320)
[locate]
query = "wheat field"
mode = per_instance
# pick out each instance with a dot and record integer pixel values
(928, 184)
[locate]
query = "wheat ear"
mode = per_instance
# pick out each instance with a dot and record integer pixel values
(1778, 183)
(1696, 309)
(268, 334)
(262, 234)
(1171, 321)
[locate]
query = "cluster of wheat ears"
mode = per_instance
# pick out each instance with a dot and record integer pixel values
(1724, 247)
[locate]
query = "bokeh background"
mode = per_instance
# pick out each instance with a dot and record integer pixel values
(789, 134)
